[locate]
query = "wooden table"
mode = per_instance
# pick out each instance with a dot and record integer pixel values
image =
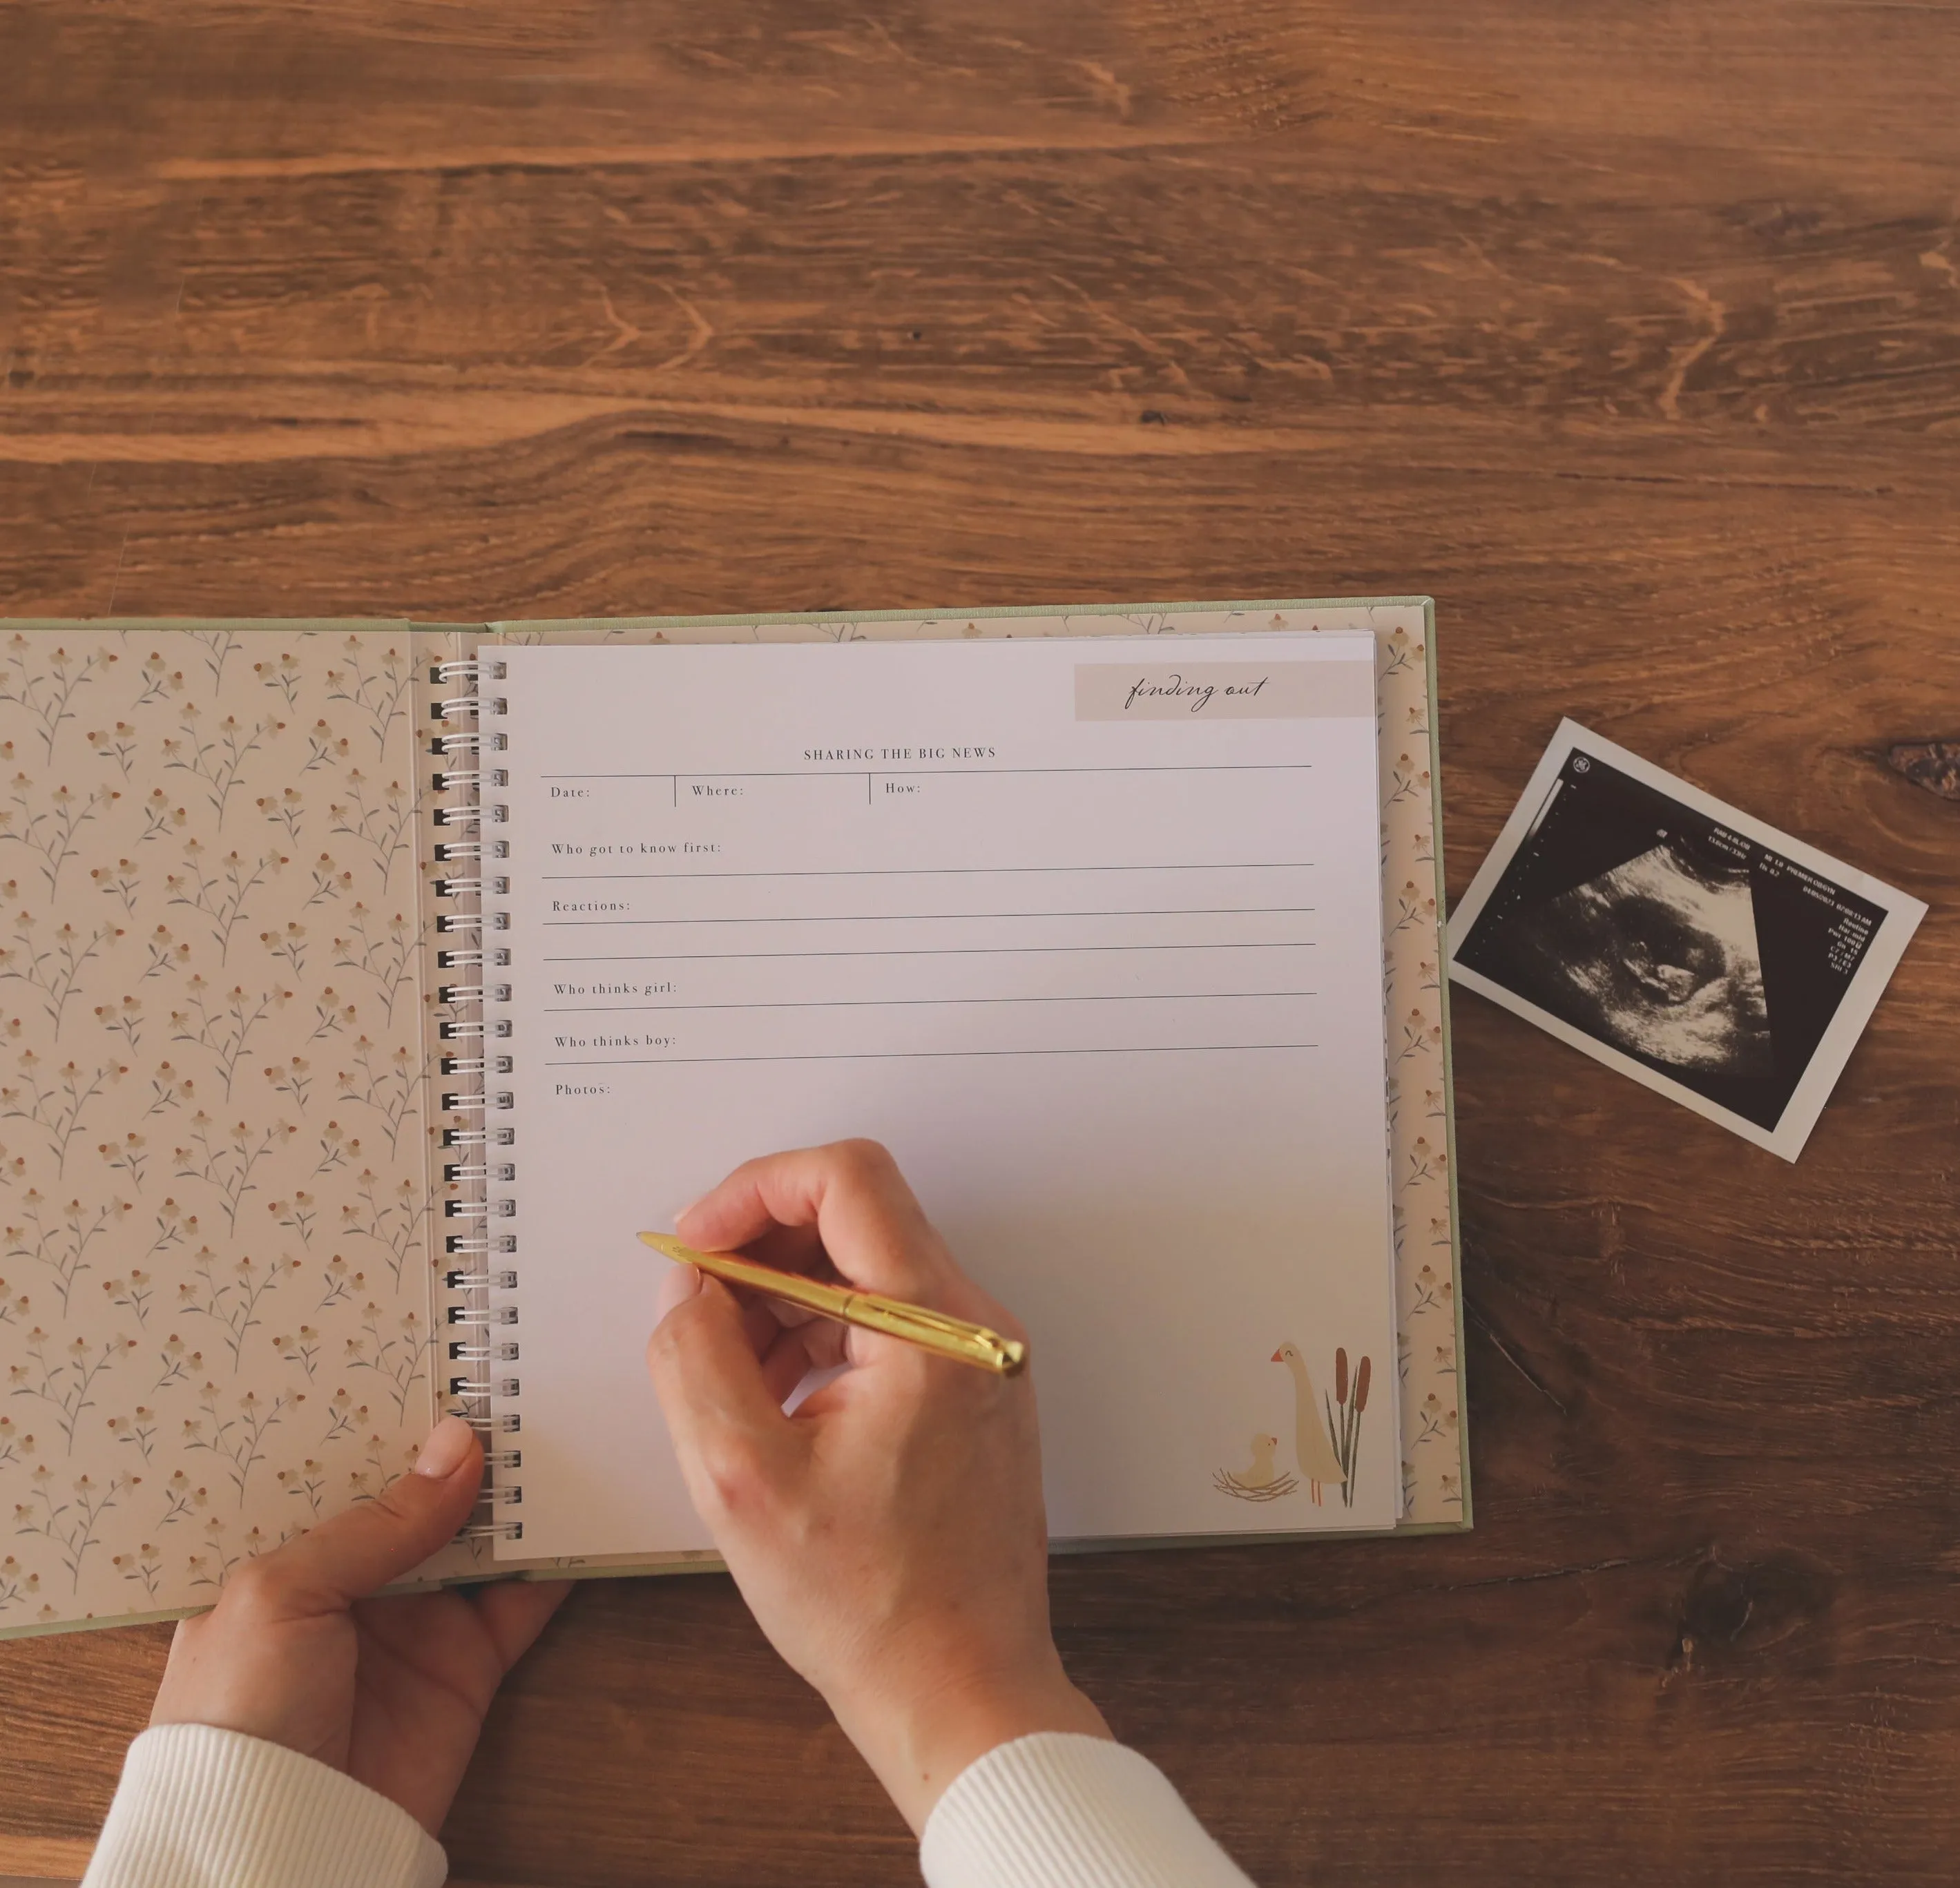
(1631, 332)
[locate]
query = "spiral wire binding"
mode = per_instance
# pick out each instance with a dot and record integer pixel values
(472, 1340)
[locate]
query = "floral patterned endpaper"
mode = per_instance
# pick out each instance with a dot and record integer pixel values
(214, 1321)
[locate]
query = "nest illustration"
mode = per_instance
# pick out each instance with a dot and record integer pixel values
(1227, 1483)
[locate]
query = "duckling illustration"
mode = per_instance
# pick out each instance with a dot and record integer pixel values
(1263, 1481)
(1318, 1462)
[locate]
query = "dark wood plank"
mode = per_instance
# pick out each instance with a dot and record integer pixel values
(1632, 333)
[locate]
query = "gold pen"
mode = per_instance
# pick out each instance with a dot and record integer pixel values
(935, 1331)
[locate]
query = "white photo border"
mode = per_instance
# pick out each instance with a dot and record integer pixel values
(1902, 916)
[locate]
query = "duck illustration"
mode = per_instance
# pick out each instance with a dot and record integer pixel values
(1318, 1462)
(1264, 1481)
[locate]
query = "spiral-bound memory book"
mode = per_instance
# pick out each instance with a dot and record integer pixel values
(367, 986)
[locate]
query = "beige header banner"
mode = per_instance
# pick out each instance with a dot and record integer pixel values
(1223, 691)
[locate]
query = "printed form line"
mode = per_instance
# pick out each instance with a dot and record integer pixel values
(953, 917)
(966, 950)
(942, 872)
(941, 773)
(932, 1055)
(914, 1002)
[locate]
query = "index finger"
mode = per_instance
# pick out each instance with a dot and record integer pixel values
(852, 1195)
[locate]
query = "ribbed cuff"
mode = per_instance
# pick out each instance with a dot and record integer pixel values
(1057, 1807)
(199, 1807)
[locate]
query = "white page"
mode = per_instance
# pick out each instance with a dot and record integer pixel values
(1101, 964)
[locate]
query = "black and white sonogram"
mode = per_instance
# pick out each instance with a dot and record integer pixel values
(1649, 926)
(1658, 955)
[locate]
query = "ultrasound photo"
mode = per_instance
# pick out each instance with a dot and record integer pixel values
(1707, 957)
(1658, 956)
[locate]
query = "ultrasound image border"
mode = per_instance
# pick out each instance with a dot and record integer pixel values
(1900, 916)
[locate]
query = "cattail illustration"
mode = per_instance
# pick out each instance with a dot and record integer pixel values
(1344, 1429)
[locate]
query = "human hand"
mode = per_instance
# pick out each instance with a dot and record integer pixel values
(890, 1536)
(391, 1691)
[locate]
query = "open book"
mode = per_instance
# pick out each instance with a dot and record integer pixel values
(369, 985)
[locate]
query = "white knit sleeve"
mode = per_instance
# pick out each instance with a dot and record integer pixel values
(198, 1808)
(1058, 1811)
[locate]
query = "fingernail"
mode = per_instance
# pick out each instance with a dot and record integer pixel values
(442, 1454)
(686, 1210)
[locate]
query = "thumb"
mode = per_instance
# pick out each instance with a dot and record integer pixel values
(728, 1429)
(350, 1557)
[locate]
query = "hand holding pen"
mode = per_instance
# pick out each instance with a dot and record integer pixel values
(889, 1537)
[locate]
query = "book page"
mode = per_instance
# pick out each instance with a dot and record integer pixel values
(215, 1300)
(1088, 932)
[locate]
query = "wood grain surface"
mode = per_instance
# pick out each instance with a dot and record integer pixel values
(1629, 330)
